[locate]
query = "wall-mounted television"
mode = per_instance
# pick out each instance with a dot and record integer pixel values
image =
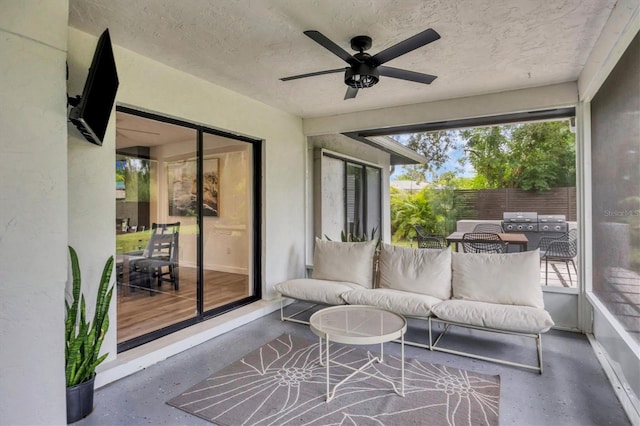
(90, 113)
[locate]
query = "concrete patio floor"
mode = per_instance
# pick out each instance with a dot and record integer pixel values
(572, 391)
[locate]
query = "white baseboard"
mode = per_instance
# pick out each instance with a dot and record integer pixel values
(143, 356)
(221, 268)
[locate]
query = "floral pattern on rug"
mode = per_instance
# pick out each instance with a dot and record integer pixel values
(283, 383)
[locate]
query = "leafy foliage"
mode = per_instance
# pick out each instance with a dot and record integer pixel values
(435, 146)
(446, 203)
(84, 339)
(136, 174)
(532, 156)
(408, 210)
(358, 237)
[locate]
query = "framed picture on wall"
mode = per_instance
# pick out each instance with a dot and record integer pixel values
(182, 186)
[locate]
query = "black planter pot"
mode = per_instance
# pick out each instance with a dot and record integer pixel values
(80, 401)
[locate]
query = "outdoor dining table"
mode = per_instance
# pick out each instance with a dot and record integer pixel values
(512, 238)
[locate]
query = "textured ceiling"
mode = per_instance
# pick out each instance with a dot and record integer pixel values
(247, 45)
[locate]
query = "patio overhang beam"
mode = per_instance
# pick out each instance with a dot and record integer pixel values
(518, 117)
(399, 153)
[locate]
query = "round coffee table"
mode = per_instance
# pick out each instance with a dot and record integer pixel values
(358, 325)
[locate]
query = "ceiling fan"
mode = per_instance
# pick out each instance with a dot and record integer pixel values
(365, 70)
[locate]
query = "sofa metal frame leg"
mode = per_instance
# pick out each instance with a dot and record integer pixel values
(292, 317)
(536, 337)
(539, 346)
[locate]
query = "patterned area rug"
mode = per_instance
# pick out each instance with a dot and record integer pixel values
(282, 383)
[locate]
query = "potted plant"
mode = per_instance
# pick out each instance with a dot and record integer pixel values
(83, 340)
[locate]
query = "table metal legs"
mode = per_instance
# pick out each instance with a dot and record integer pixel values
(325, 361)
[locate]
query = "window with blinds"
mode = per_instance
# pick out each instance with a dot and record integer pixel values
(348, 198)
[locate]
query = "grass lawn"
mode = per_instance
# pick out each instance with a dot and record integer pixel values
(404, 243)
(134, 241)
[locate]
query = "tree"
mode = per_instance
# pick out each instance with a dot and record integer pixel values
(137, 174)
(435, 146)
(446, 203)
(532, 156)
(486, 151)
(413, 173)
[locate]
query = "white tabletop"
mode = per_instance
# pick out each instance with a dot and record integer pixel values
(357, 324)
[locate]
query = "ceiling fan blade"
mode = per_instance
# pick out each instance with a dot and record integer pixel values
(323, 41)
(312, 74)
(406, 46)
(351, 93)
(406, 75)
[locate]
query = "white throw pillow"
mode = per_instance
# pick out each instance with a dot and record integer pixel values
(522, 319)
(505, 278)
(423, 271)
(338, 261)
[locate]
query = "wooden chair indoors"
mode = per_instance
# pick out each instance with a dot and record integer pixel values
(483, 242)
(159, 261)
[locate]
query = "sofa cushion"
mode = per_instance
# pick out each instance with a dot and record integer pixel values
(522, 319)
(506, 278)
(339, 261)
(318, 291)
(400, 302)
(415, 270)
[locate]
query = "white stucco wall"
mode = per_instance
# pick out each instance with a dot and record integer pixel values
(150, 86)
(33, 217)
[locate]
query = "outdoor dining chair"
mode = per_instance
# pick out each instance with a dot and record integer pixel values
(483, 242)
(493, 228)
(429, 241)
(559, 249)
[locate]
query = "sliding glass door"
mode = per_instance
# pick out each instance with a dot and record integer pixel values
(226, 221)
(185, 224)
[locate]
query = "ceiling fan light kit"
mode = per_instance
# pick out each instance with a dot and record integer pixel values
(361, 76)
(364, 70)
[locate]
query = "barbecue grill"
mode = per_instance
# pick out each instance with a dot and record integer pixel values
(534, 226)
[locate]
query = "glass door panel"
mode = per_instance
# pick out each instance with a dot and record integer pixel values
(227, 221)
(156, 225)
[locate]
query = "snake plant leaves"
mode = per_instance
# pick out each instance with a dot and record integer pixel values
(84, 338)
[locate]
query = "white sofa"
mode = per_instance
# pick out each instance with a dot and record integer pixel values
(493, 292)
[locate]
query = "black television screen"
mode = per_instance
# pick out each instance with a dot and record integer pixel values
(91, 115)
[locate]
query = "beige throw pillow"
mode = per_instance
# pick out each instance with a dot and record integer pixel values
(338, 261)
(423, 271)
(507, 278)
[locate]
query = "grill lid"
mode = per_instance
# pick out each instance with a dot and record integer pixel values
(552, 218)
(520, 217)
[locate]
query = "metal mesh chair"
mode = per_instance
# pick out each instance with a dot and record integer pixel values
(429, 241)
(432, 242)
(492, 228)
(559, 249)
(483, 242)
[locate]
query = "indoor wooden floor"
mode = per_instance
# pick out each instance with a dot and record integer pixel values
(139, 312)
